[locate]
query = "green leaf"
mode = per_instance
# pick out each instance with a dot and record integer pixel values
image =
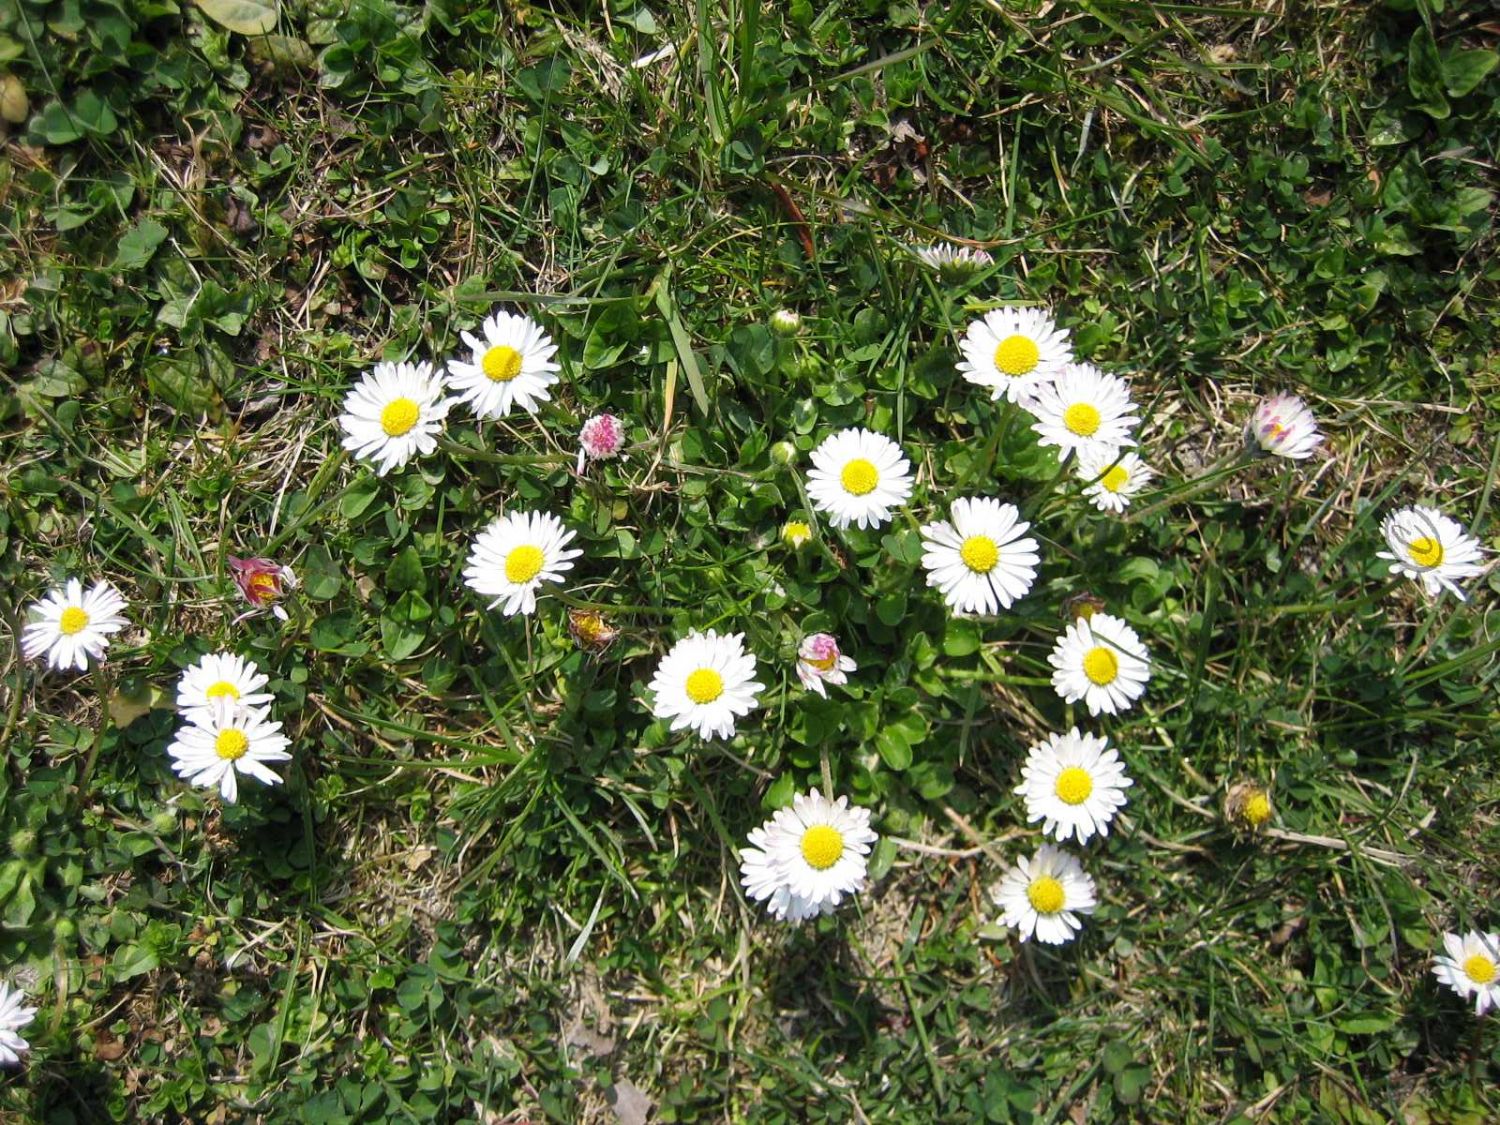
(405, 572)
(139, 243)
(321, 576)
(1424, 74)
(246, 17)
(403, 625)
(1463, 70)
(893, 748)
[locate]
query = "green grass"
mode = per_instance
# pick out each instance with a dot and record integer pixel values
(492, 888)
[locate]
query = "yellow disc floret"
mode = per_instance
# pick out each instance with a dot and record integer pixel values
(1082, 418)
(1426, 551)
(523, 563)
(1115, 479)
(1478, 968)
(222, 690)
(399, 416)
(979, 553)
(822, 846)
(1074, 785)
(1257, 809)
(231, 744)
(73, 620)
(1100, 665)
(1046, 895)
(501, 363)
(705, 685)
(1016, 355)
(859, 477)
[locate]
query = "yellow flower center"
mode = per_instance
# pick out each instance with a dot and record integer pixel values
(822, 846)
(705, 685)
(73, 620)
(824, 663)
(1046, 895)
(523, 564)
(231, 744)
(1074, 785)
(859, 477)
(1425, 551)
(1115, 479)
(399, 416)
(501, 363)
(1257, 810)
(796, 533)
(1016, 355)
(222, 690)
(1478, 968)
(979, 553)
(1082, 418)
(1100, 665)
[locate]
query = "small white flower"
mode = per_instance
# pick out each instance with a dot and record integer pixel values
(858, 477)
(705, 682)
(1013, 352)
(1112, 477)
(1431, 548)
(72, 626)
(1044, 895)
(220, 675)
(394, 413)
(806, 858)
(1283, 426)
(14, 1015)
(1101, 661)
(232, 740)
(819, 660)
(954, 263)
(1083, 408)
(601, 438)
(980, 561)
(1472, 968)
(1074, 783)
(511, 366)
(514, 555)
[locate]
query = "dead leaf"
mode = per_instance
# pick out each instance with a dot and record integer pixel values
(126, 708)
(630, 1103)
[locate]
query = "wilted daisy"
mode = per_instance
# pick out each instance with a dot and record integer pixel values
(1283, 426)
(1472, 968)
(1044, 895)
(794, 533)
(394, 413)
(705, 682)
(858, 477)
(1247, 805)
(601, 438)
(1101, 661)
(819, 660)
(807, 857)
(1083, 408)
(1430, 547)
(14, 1015)
(954, 263)
(591, 629)
(70, 626)
(511, 366)
(262, 582)
(1013, 352)
(982, 561)
(220, 675)
(512, 557)
(232, 739)
(1074, 783)
(1112, 477)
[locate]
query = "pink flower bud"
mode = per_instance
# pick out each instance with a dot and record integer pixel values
(262, 582)
(602, 437)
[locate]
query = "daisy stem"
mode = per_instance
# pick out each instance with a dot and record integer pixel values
(101, 691)
(827, 771)
(1224, 467)
(472, 454)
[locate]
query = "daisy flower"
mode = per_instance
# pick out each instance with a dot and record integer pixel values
(1430, 547)
(980, 561)
(1083, 408)
(954, 264)
(601, 438)
(1472, 968)
(705, 682)
(262, 583)
(806, 858)
(1283, 426)
(1013, 352)
(220, 675)
(233, 739)
(511, 366)
(14, 1015)
(1101, 661)
(395, 413)
(1111, 477)
(858, 477)
(1074, 783)
(819, 659)
(1044, 895)
(512, 557)
(71, 626)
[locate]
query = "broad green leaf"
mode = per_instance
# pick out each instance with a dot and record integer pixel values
(1463, 70)
(1424, 74)
(247, 17)
(139, 243)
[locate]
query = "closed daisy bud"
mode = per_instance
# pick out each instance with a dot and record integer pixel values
(1283, 426)
(794, 533)
(784, 322)
(1248, 806)
(819, 660)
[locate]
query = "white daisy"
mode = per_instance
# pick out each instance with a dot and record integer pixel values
(512, 557)
(954, 263)
(14, 1015)
(1083, 408)
(980, 561)
(220, 675)
(233, 739)
(1111, 477)
(705, 682)
(1013, 352)
(1430, 547)
(394, 413)
(819, 660)
(807, 857)
(511, 366)
(1283, 426)
(1101, 661)
(72, 626)
(1074, 783)
(858, 477)
(1472, 968)
(1044, 895)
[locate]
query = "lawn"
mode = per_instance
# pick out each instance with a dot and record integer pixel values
(492, 884)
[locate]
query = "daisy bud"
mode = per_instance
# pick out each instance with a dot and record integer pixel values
(1081, 607)
(591, 630)
(602, 437)
(954, 263)
(783, 453)
(784, 322)
(1248, 806)
(819, 659)
(795, 533)
(263, 582)
(1284, 427)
